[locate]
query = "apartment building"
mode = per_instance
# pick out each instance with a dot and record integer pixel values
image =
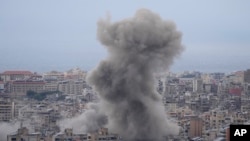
(75, 74)
(198, 85)
(7, 109)
(238, 118)
(101, 135)
(70, 87)
(21, 87)
(24, 135)
(218, 118)
(196, 124)
(53, 76)
(15, 75)
(51, 86)
(188, 82)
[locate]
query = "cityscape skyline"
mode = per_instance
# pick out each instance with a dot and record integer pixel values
(58, 106)
(44, 36)
(144, 71)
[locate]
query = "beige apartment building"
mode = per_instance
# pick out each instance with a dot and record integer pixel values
(15, 75)
(217, 118)
(53, 76)
(21, 87)
(51, 86)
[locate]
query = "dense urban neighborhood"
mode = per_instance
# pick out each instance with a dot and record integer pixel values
(51, 105)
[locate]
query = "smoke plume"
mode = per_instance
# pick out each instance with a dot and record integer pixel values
(87, 122)
(138, 47)
(6, 129)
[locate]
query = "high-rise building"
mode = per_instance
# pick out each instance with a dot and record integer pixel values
(195, 127)
(198, 85)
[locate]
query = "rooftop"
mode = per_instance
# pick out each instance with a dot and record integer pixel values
(17, 72)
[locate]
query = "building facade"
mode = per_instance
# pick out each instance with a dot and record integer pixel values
(15, 75)
(7, 109)
(70, 87)
(195, 127)
(21, 87)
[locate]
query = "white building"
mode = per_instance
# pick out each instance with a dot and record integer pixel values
(70, 87)
(15, 75)
(197, 85)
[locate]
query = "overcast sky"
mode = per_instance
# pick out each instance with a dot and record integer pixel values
(44, 35)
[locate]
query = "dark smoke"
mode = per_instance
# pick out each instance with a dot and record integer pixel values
(138, 47)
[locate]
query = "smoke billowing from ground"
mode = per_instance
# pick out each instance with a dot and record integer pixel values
(7, 128)
(89, 121)
(138, 47)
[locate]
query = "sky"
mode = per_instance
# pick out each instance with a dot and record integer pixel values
(47, 35)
